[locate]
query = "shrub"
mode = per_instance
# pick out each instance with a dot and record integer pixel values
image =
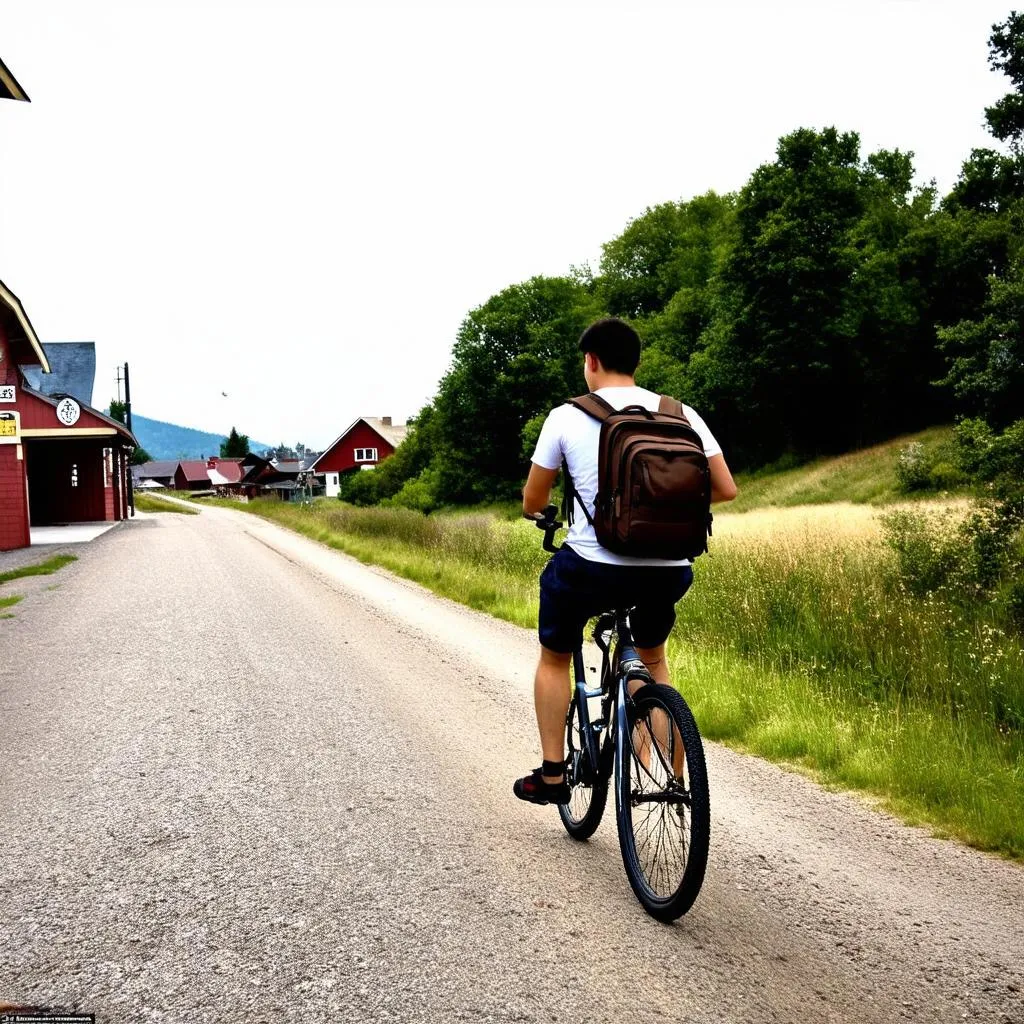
(913, 468)
(419, 493)
(985, 455)
(359, 487)
(945, 475)
(928, 549)
(978, 562)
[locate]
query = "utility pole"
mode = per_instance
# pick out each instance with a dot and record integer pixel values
(127, 399)
(128, 424)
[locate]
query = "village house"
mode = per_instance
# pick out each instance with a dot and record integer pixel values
(364, 444)
(61, 461)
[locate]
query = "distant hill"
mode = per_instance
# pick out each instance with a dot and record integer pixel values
(169, 441)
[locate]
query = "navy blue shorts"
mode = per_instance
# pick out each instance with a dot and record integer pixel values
(573, 590)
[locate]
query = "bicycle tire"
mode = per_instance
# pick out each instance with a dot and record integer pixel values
(583, 813)
(668, 794)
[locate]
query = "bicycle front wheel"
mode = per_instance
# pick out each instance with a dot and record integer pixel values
(662, 807)
(582, 814)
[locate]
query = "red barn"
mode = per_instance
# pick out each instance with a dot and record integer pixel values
(367, 442)
(61, 461)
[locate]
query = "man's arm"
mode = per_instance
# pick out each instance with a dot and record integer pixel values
(537, 492)
(723, 487)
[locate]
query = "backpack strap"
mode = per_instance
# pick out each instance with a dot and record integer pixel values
(593, 405)
(571, 498)
(672, 407)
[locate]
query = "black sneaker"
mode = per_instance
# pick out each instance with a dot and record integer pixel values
(535, 790)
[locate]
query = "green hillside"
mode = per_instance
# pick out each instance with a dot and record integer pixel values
(169, 441)
(867, 476)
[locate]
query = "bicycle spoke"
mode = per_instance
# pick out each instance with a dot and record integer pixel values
(660, 819)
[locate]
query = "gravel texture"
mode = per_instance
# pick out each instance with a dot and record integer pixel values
(245, 778)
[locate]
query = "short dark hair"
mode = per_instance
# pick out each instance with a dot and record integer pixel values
(614, 342)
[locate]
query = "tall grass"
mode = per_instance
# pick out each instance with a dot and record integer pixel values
(797, 642)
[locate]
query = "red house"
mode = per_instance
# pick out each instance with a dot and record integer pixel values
(61, 461)
(367, 442)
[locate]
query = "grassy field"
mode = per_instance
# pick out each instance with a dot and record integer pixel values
(154, 503)
(797, 643)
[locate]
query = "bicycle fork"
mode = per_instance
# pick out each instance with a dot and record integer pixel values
(587, 767)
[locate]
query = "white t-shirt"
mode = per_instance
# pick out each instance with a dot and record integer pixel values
(571, 434)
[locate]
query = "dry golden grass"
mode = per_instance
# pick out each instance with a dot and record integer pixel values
(838, 524)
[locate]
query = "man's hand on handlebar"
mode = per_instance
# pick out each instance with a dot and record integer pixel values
(545, 519)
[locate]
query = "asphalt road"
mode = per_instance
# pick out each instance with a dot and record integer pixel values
(244, 778)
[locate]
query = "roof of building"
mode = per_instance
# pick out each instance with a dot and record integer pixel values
(194, 469)
(155, 470)
(20, 332)
(9, 87)
(226, 471)
(394, 435)
(72, 370)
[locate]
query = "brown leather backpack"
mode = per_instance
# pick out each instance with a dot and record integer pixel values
(653, 481)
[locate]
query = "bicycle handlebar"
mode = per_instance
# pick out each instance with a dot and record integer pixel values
(546, 521)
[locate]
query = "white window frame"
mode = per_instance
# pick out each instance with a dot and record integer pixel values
(365, 455)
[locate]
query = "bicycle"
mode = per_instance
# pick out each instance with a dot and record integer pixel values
(646, 736)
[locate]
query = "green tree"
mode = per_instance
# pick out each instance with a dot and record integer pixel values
(235, 446)
(983, 345)
(140, 455)
(787, 359)
(514, 357)
(986, 369)
(118, 411)
(1006, 54)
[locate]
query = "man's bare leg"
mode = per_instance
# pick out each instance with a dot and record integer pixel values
(654, 659)
(551, 696)
(657, 664)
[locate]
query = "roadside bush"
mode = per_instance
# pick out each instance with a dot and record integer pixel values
(419, 493)
(359, 487)
(927, 549)
(977, 563)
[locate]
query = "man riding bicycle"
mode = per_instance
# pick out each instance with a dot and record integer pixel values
(584, 578)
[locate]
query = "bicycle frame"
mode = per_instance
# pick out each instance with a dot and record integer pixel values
(614, 687)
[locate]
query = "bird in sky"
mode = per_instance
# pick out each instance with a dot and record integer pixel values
(224, 393)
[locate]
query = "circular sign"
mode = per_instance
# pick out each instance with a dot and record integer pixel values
(68, 411)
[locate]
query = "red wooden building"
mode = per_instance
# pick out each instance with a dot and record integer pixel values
(61, 461)
(367, 442)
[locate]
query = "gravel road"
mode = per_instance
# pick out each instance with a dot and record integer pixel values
(245, 778)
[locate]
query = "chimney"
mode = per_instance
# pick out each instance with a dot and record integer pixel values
(386, 421)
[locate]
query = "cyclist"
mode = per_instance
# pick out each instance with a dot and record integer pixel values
(584, 579)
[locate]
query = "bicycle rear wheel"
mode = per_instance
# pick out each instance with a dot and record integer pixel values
(662, 807)
(582, 814)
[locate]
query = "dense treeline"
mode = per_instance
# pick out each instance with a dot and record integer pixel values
(828, 304)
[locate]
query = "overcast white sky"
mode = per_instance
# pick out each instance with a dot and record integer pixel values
(296, 203)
